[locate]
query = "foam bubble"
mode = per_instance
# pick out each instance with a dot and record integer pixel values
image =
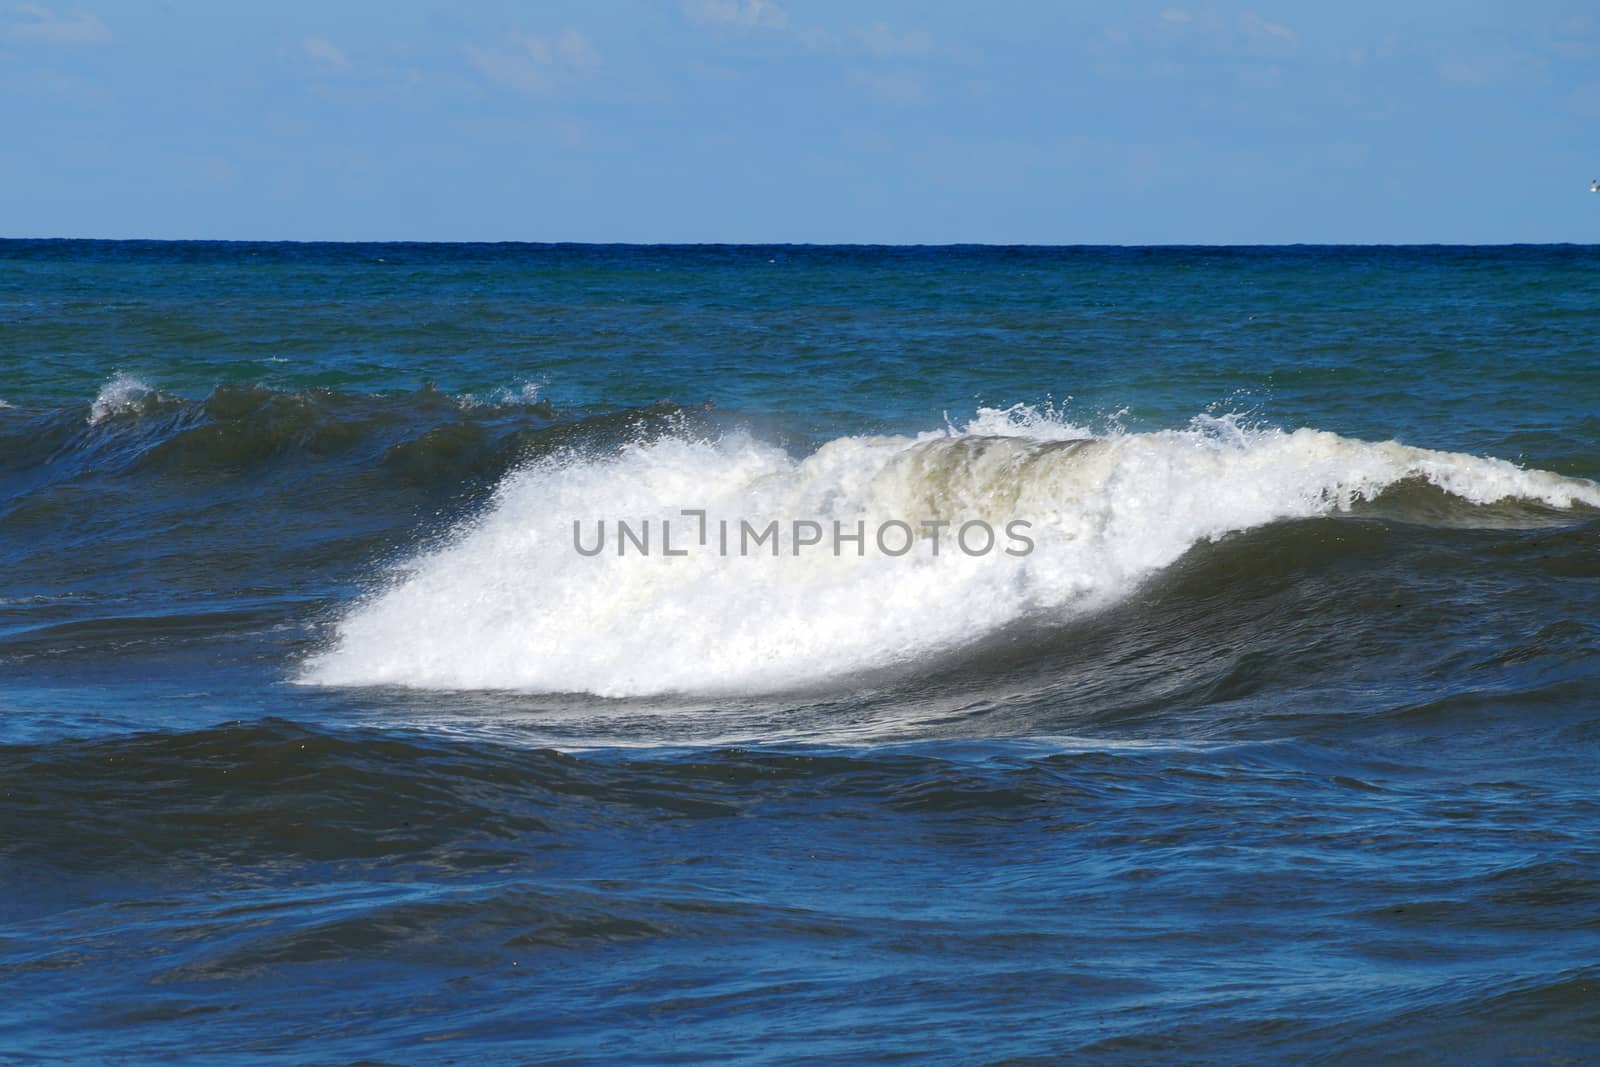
(509, 603)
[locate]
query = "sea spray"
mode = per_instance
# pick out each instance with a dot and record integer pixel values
(122, 394)
(509, 604)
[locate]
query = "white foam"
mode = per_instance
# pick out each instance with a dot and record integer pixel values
(122, 394)
(509, 603)
(524, 393)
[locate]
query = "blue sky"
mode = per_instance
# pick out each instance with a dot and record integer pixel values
(787, 120)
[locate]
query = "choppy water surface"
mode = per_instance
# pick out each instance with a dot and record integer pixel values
(319, 741)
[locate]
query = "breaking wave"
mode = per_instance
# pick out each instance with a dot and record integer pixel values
(508, 602)
(123, 394)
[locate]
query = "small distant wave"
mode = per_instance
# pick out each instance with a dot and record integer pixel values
(525, 394)
(126, 394)
(509, 603)
(123, 394)
(419, 436)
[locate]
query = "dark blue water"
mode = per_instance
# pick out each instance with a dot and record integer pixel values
(320, 743)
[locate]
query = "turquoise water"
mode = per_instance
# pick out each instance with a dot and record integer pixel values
(319, 742)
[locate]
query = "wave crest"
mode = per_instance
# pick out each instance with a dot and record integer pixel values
(508, 603)
(123, 394)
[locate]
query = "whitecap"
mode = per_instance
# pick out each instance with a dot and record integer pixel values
(509, 603)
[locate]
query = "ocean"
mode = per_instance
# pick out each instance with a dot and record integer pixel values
(387, 673)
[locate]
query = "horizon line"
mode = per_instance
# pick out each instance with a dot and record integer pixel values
(796, 244)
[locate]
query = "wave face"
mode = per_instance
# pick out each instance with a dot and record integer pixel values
(508, 602)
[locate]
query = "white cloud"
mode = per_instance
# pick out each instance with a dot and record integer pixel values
(328, 57)
(1192, 23)
(1260, 77)
(1576, 38)
(535, 64)
(1486, 70)
(1261, 31)
(69, 85)
(815, 38)
(900, 89)
(745, 14)
(1585, 100)
(1468, 71)
(575, 51)
(881, 40)
(34, 24)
